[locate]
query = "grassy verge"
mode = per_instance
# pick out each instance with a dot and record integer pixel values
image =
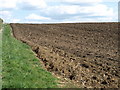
(0, 54)
(20, 68)
(1, 21)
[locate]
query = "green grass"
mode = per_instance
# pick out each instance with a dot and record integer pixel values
(1, 23)
(0, 54)
(20, 68)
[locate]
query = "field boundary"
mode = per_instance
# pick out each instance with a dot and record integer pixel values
(32, 75)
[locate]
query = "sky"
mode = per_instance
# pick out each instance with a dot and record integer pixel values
(58, 11)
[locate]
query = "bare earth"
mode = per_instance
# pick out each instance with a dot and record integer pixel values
(86, 53)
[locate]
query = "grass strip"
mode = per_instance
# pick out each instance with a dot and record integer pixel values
(20, 67)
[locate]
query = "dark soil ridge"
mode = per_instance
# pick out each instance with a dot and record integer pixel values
(95, 72)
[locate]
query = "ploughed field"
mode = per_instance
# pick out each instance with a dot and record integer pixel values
(86, 53)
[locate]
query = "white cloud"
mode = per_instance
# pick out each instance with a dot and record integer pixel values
(33, 3)
(8, 4)
(5, 15)
(38, 3)
(95, 1)
(15, 20)
(111, 0)
(59, 10)
(98, 10)
(42, 3)
(15, 4)
(36, 17)
(62, 9)
(95, 10)
(80, 19)
(82, 1)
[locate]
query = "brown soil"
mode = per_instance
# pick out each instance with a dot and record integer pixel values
(86, 53)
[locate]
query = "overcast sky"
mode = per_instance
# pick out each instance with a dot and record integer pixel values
(58, 11)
